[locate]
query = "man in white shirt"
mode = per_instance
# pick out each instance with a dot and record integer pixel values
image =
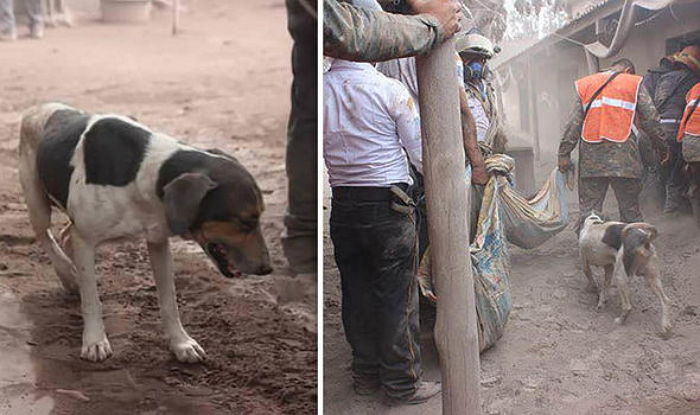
(371, 131)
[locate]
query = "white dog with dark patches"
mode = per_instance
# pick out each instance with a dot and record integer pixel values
(623, 250)
(115, 178)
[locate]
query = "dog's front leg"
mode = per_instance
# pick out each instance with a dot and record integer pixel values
(651, 273)
(96, 347)
(609, 269)
(181, 344)
(624, 292)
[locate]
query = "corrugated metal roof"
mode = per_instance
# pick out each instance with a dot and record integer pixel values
(594, 8)
(591, 8)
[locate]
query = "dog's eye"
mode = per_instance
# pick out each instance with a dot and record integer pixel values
(248, 226)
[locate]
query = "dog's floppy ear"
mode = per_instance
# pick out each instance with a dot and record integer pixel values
(182, 197)
(646, 227)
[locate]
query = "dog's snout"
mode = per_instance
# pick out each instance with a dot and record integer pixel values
(264, 269)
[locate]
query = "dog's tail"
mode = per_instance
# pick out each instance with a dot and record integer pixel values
(636, 244)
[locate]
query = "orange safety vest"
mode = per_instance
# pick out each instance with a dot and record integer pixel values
(690, 123)
(611, 115)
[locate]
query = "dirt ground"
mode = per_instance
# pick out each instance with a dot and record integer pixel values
(558, 355)
(224, 82)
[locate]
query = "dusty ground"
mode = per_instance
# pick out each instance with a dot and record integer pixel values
(558, 355)
(223, 83)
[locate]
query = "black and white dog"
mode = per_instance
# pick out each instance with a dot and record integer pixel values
(623, 250)
(116, 178)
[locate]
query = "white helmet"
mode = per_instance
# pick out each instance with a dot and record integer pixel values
(474, 43)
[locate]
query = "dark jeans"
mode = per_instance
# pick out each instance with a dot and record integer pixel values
(375, 250)
(676, 181)
(301, 217)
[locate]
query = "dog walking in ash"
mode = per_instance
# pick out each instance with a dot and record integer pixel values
(623, 250)
(115, 178)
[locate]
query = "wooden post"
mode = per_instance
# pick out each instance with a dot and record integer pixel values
(176, 16)
(456, 337)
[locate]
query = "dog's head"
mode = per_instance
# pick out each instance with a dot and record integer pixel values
(218, 204)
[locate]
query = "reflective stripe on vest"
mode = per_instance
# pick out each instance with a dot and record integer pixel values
(690, 123)
(612, 113)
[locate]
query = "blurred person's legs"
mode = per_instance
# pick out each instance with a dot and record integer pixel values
(8, 30)
(300, 241)
(35, 13)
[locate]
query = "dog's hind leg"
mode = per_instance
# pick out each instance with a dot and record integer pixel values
(95, 347)
(651, 273)
(185, 348)
(592, 287)
(609, 270)
(40, 217)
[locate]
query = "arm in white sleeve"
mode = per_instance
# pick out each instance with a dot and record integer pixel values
(405, 114)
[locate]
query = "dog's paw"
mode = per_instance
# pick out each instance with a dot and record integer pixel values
(620, 320)
(96, 351)
(665, 330)
(187, 351)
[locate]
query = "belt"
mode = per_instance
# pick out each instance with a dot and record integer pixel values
(367, 194)
(669, 121)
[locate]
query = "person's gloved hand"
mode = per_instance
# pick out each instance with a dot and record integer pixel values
(565, 164)
(448, 13)
(480, 175)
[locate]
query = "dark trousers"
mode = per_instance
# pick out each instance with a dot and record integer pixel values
(592, 191)
(375, 250)
(676, 181)
(301, 216)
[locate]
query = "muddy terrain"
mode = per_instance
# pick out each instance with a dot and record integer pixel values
(223, 82)
(558, 354)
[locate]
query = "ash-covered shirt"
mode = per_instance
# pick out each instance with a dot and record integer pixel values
(368, 122)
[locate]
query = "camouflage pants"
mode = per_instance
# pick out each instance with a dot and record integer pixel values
(592, 191)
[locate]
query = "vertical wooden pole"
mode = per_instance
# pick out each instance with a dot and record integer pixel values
(448, 212)
(176, 16)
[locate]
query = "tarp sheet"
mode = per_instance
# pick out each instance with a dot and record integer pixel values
(504, 215)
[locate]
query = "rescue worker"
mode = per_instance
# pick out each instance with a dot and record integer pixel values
(370, 124)
(475, 50)
(689, 138)
(609, 155)
(668, 87)
(300, 241)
